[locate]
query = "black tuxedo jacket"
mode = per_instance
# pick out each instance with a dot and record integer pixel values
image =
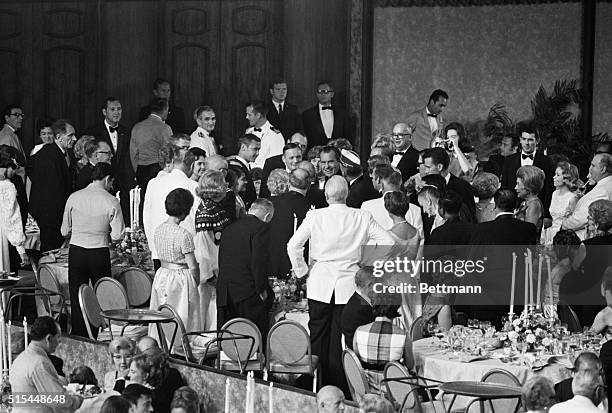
(122, 167)
(244, 255)
(357, 312)
(272, 163)
(249, 194)
(281, 229)
(51, 185)
(450, 238)
(504, 230)
(361, 190)
(465, 191)
(83, 177)
(313, 127)
(409, 164)
(316, 196)
(175, 119)
(513, 162)
(287, 122)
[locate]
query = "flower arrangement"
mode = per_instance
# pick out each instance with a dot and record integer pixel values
(133, 247)
(531, 328)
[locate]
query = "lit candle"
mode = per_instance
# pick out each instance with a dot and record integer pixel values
(270, 397)
(25, 333)
(227, 396)
(526, 282)
(513, 281)
(538, 296)
(9, 347)
(550, 289)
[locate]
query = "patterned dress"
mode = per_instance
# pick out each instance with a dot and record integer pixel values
(11, 229)
(175, 287)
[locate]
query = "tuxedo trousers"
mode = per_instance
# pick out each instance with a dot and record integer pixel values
(251, 308)
(84, 265)
(144, 173)
(326, 341)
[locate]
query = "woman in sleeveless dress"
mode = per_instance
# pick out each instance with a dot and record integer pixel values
(529, 183)
(564, 198)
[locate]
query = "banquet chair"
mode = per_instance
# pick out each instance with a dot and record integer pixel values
(184, 350)
(137, 284)
(416, 329)
(240, 354)
(288, 351)
(355, 376)
(90, 308)
(405, 392)
(49, 282)
(569, 316)
(501, 376)
(110, 294)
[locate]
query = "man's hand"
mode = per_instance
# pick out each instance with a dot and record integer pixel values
(25, 259)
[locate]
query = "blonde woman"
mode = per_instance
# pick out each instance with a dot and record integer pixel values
(564, 198)
(529, 183)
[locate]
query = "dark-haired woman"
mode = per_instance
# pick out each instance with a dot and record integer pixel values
(176, 281)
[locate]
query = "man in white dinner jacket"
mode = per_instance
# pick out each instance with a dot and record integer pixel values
(336, 235)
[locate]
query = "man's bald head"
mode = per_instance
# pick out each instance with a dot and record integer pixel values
(299, 179)
(336, 190)
(215, 163)
(330, 399)
(308, 167)
(402, 135)
(147, 343)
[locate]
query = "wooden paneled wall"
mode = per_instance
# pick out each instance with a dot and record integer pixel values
(62, 58)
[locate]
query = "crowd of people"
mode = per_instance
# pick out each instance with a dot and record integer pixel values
(296, 200)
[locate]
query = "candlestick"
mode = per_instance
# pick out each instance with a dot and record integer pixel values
(271, 410)
(513, 281)
(526, 282)
(137, 206)
(2, 338)
(530, 260)
(294, 223)
(227, 395)
(248, 392)
(131, 206)
(25, 333)
(538, 296)
(550, 289)
(9, 347)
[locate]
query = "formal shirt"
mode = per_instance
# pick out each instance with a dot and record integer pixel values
(433, 121)
(90, 216)
(200, 138)
(578, 404)
(33, 373)
(336, 235)
(578, 220)
(154, 209)
(114, 136)
(327, 119)
(147, 139)
(527, 160)
(376, 207)
(272, 143)
(397, 157)
(279, 106)
(380, 342)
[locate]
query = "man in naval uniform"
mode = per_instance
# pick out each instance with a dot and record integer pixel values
(272, 141)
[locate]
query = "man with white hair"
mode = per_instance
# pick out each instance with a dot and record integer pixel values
(588, 391)
(336, 235)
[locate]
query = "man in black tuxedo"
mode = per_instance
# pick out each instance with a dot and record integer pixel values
(436, 161)
(96, 151)
(249, 149)
(244, 251)
(287, 161)
(360, 185)
(117, 136)
(507, 146)
(283, 115)
(289, 211)
(324, 121)
(529, 155)
(453, 231)
(497, 240)
(358, 310)
(329, 165)
(406, 157)
(51, 176)
(176, 115)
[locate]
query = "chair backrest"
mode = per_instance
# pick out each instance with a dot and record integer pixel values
(90, 308)
(416, 329)
(399, 391)
(137, 284)
(501, 376)
(240, 349)
(288, 343)
(355, 376)
(47, 280)
(180, 329)
(110, 294)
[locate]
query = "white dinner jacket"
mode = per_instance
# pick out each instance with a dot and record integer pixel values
(578, 220)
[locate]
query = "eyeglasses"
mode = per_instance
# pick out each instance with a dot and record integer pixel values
(19, 115)
(105, 152)
(122, 357)
(397, 135)
(325, 91)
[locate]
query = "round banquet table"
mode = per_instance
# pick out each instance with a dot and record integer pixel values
(433, 362)
(140, 316)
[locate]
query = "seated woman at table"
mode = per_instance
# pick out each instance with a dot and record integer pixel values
(155, 372)
(529, 183)
(139, 371)
(603, 320)
(121, 350)
(176, 281)
(566, 246)
(185, 400)
(538, 394)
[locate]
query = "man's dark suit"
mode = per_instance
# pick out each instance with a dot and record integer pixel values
(83, 177)
(123, 173)
(272, 163)
(497, 240)
(313, 126)
(175, 119)
(244, 254)
(465, 191)
(450, 238)
(357, 312)
(249, 194)
(359, 191)
(281, 229)
(51, 185)
(287, 122)
(513, 162)
(409, 164)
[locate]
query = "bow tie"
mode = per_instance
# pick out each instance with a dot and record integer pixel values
(525, 156)
(113, 130)
(399, 153)
(257, 129)
(326, 108)
(431, 115)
